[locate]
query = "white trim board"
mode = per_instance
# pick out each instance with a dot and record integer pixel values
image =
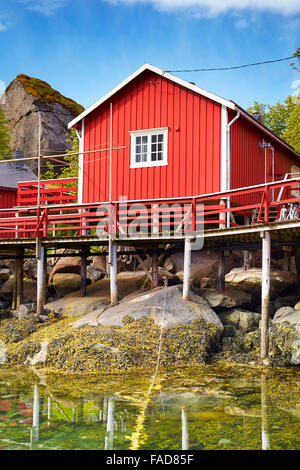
(152, 68)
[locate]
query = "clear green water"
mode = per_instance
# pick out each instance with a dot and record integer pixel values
(210, 407)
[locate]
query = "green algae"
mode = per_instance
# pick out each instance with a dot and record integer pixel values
(224, 407)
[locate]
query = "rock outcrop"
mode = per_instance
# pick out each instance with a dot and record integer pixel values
(24, 100)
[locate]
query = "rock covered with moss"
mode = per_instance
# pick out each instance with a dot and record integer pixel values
(27, 98)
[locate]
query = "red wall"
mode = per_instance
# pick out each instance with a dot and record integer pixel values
(248, 159)
(194, 142)
(8, 198)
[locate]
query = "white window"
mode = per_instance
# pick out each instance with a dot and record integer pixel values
(149, 147)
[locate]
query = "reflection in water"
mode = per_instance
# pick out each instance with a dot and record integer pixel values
(259, 411)
(109, 438)
(184, 429)
(35, 414)
(265, 442)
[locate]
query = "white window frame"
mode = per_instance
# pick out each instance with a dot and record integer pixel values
(148, 132)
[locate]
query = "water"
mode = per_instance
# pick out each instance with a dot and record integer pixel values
(209, 407)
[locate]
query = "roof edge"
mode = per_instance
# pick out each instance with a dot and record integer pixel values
(162, 73)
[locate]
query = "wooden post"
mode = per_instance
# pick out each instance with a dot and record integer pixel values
(154, 267)
(246, 260)
(113, 273)
(40, 278)
(187, 269)
(20, 275)
(83, 275)
(15, 286)
(18, 279)
(265, 293)
(221, 271)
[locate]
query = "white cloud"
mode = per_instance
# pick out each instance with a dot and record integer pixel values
(4, 26)
(216, 7)
(46, 7)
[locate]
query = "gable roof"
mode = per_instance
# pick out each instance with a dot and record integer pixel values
(229, 104)
(10, 175)
(160, 72)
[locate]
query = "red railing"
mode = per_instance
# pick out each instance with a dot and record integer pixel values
(56, 191)
(165, 218)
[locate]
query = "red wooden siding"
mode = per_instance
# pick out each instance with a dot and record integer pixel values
(194, 142)
(8, 198)
(248, 159)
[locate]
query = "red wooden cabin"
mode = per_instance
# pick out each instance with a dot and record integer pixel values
(180, 141)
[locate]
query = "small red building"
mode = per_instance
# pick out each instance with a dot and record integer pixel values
(178, 141)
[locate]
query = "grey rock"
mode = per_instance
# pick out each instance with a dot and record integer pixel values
(4, 274)
(282, 312)
(43, 318)
(22, 108)
(165, 306)
(241, 319)
(229, 298)
(250, 280)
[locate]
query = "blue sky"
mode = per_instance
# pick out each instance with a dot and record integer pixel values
(85, 47)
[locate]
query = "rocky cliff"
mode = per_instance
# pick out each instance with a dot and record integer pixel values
(23, 101)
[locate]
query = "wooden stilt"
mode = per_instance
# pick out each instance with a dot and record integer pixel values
(265, 293)
(15, 286)
(20, 278)
(246, 260)
(17, 298)
(40, 278)
(154, 267)
(221, 271)
(113, 273)
(187, 269)
(83, 275)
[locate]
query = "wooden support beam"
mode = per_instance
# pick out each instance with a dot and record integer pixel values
(83, 266)
(221, 271)
(113, 273)
(187, 269)
(18, 279)
(154, 267)
(247, 263)
(40, 254)
(265, 293)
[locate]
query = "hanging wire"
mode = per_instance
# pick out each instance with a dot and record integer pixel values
(232, 67)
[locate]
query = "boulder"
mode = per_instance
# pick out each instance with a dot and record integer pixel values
(282, 312)
(241, 319)
(229, 298)
(250, 280)
(25, 310)
(23, 101)
(29, 292)
(64, 283)
(66, 265)
(98, 295)
(4, 274)
(94, 274)
(165, 306)
(204, 264)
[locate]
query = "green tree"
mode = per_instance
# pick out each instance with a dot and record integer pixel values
(5, 150)
(282, 119)
(65, 171)
(72, 170)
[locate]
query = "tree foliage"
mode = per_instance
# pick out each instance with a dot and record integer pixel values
(282, 118)
(5, 150)
(65, 171)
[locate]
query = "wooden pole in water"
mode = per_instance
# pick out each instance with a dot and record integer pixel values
(265, 293)
(221, 271)
(187, 269)
(40, 254)
(154, 267)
